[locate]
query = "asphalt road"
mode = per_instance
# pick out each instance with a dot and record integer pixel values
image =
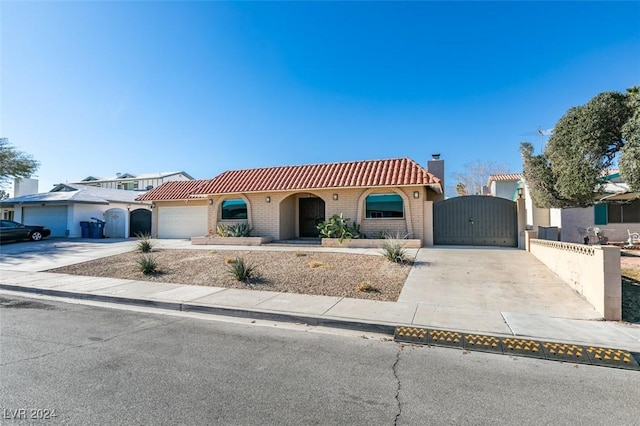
(92, 365)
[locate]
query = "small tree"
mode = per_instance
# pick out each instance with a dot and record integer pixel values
(14, 163)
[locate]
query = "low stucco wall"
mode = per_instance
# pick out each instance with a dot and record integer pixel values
(592, 271)
(367, 243)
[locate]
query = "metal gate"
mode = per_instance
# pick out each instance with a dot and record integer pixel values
(140, 222)
(475, 220)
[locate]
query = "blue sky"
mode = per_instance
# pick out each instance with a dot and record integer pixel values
(95, 88)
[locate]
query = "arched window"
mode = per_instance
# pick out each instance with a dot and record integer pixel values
(384, 206)
(234, 209)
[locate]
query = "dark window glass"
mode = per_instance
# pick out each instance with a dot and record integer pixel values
(631, 212)
(234, 209)
(624, 213)
(384, 206)
(614, 213)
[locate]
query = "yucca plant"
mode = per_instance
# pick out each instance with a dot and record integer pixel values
(144, 245)
(394, 251)
(241, 270)
(147, 264)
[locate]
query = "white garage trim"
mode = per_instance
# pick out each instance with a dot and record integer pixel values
(181, 221)
(53, 217)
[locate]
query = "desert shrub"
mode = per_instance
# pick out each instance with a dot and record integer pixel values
(230, 260)
(147, 264)
(144, 244)
(298, 254)
(367, 287)
(241, 270)
(315, 264)
(338, 227)
(394, 251)
(235, 230)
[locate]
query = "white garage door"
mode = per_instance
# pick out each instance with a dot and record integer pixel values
(182, 222)
(53, 217)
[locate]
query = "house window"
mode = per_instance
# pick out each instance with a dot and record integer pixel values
(384, 206)
(624, 213)
(234, 209)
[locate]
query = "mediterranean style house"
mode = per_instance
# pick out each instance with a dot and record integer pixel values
(394, 196)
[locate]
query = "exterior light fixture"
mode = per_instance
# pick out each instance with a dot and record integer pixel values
(416, 194)
(520, 192)
(268, 199)
(335, 197)
(210, 201)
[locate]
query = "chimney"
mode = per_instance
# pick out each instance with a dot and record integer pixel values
(435, 166)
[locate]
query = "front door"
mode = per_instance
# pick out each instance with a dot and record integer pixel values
(311, 214)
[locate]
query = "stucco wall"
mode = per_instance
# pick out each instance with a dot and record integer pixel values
(288, 212)
(592, 271)
(571, 219)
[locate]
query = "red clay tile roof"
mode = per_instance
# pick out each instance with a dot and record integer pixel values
(174, 190)
(506, 177)
(394, 172)
(352, 174)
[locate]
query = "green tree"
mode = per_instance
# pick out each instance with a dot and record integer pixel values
(586, 142)
(14, 163)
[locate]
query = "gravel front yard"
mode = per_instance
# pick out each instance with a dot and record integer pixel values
(329, 274)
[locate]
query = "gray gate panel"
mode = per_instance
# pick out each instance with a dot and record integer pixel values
(475, 220)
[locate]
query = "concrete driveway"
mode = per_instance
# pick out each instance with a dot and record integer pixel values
(487, 282)
(57, 252)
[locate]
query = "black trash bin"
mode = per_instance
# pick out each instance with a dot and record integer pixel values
(96, 229)
(84, 226)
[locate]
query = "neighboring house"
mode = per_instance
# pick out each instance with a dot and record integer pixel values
(616, 211)
(504, 185)
(288, 202)
(65, 206)
(131, 182)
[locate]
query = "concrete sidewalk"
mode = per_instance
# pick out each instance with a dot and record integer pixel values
(504, 292)
(324, 310)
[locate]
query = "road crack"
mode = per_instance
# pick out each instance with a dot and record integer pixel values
(399, 385)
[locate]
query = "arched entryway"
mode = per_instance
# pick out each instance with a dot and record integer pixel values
(140, 222)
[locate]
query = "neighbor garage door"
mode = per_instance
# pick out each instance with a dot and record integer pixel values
(53, 217)
(182, 222)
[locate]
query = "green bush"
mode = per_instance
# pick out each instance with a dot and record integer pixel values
(338, 227)
(235, 230)
(394, 251)
(144, 244)
(241, 270)
(147, 264)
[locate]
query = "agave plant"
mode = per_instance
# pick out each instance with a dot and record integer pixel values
(235, 230)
